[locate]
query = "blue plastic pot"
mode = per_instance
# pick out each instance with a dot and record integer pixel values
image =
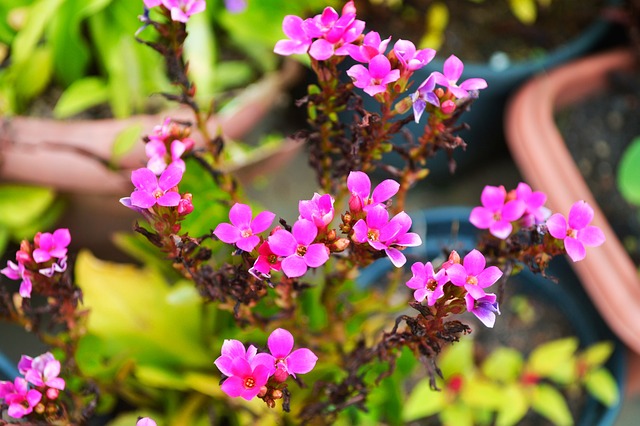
(8, 370)
(567, 295)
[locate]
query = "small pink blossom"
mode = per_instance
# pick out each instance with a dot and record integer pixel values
(266, 262)
(20, 399)
(145, 421)
(535, 211)
(484, 308)
(151, 191)
(42, 370)
(50, 245)
(234, 349)
(452, 71)
(243, 229)
(298, 41)
(425, 94)
(159, 158)
(333, 31)
(374, 78)
(427, 283)
(181, 10)
(472, 274)
(19, 272)
(361, 198)
(284, 360)
(412, 59)
(297, 248)
(496, 213)
(371, 47)
(576, 231)
(245, 380)
(319, 210)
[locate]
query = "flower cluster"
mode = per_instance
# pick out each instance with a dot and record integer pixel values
(471, 277)
(46, 257)
(166, 145)
(180, 10)
(249, 374)
(309, 241)
(37, 391)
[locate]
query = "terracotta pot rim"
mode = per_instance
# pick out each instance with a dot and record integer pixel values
(608, 274)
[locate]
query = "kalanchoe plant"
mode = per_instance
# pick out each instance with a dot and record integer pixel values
(279, 302)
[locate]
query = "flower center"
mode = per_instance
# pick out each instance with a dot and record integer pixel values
(497, 216)
(246, 233)
(158, 193)
(472, 280)
(272, 259)
(431, 284)
(373, 234)
(572, 233)
(301, 251)
(249, 382)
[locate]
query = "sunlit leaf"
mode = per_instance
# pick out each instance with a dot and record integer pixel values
(125, 141)
(597, 354)
(550, 403)
(513, 405)
(553, 358)
(20, 205)
(503, 364)
(82, 94)
(525, 10)
(629, 172)
(457, 415)
(602, 385)
(422, 402)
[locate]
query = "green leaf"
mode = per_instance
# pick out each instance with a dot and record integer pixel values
(199, 52)
(34, 74)
(602, 385)
(20, 205)
(44, 221)
(525, 10)
(125, 141)
(85, 93)
(4, 239)
(513, 406)
(153, 376)
(25, 42)
(549, 402)
(457, 415)
(503, 364)
(629, 172)
(597, 354)
(552, 358)
(423, 402)
(457, 359)
(478, 392)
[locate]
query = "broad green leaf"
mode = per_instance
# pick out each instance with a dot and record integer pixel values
(457, 415)
(423, 402)
(25, 42)
(85, 93)
(199, 51)
(550, 403)
(629, 172)
(34, 74)
(597, 354)
(457, 358)
(550, 357)
(478, 392)
(503, 364)
(68, 43)
(46, 220)
(150, 375)
(513, 405)
(525, 10)
(602, 385)
(21, 205)
(125, 141)
(133, 311)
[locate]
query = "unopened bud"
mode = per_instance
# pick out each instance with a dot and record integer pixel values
(277, 394)
(331, 235)
(184, 205)
(340, 245)
(281, 375)
(263, 391)
(39, 408)
(439, 92)
(23, 256)
(52, 393)
(448, 106)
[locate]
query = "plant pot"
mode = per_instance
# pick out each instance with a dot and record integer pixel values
(72, 155)
(449, 227)
(609, 276)
(485, 138)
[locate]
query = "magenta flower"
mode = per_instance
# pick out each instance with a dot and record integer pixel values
(51, 245)
(298, 42)
(284, 362)
(452, 69)
(234, 349)
(19, 272)
(152, 3)
(19, 398)
(332, 31)
(472, 275)
(42, 370)
(495, 214)
(319, 210)
(374, 78)
(576, 231)
(181, 10)
(411, 58)
(427, 283)
(371, 47)
(535, 211)
(151, 191)
(156, 151)
(298, 249)
(145, 421)
(382, 233)
(359, 185)
(484, 308)
(245, 380)
(242, 230)
(266, 262)
(424, 94)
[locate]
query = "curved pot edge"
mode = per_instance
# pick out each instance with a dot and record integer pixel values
(540, 153)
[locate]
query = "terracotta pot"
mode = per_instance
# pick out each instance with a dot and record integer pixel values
(607, 273)
(70, 155)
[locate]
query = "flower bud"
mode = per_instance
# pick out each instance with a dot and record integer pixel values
(277, 394)
(52, 393)
(448, 106)
(184, 205)
(340, 245)
(281, 374)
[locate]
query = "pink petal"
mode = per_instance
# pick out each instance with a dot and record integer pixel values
(501, 229)
(25, 288)
(304, 231)
(420, 294)
(481, 217)
(385, 190)
(360, 231)
(359, 184)
(489, 276)
(262, 221)
(224, 363)
(457, 274)
(248, 243)
(227, 233)
(301, 361)
(396, 257)
(379, 66)
(280, 343)
(591, 236)
(144, 179)
(373, 90)
(361, 78)
(265, 359)
(474, 262)
(474, 84)
(321, 50)
(169, 199)
(233, 386)
(453, 68)
(40, 255)
(292, 27)
(294, 266)
(575, 249)
(557, 226)
(240, 367)
(170, 177)
(56, 383)
(316, 255)
(240, 215)
(142, 199)
(290, 47)
(475, 291)
(377, 217)
(513, 210)
(62, 237)
(410, 239)
(493, 197)
(282, 243)
(580, 215)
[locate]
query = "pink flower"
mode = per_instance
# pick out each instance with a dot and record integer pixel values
(484, 308)
(359, 185)
(298, 42)
(181, 10)
(382, 233)
(411, 58)
(333, 31)
(234, 349)
(576, 231)
(145, 421)
(19, 398)
(371, 46)
(245, 380)
(298, 249)
(318, 210)
(151, 191)
(152, 3)
(534, 212)
(42, 371)
(156, 151)
(495, 214)
(51, 245)
(374, 78)
(267, 260)
(19, 272)
(452, 69)
(472, 275)
(283, 361)
(242, 230)
(427, 283)
(425, 94)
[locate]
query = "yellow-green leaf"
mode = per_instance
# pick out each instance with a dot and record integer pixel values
(525, 10)
(549, 402)
(548, 358)
(20, 205)
(80, 95)
(597, 354)
(125, 141)
(601, 384)
(503, 364)
(513, 406)
(423, 402)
